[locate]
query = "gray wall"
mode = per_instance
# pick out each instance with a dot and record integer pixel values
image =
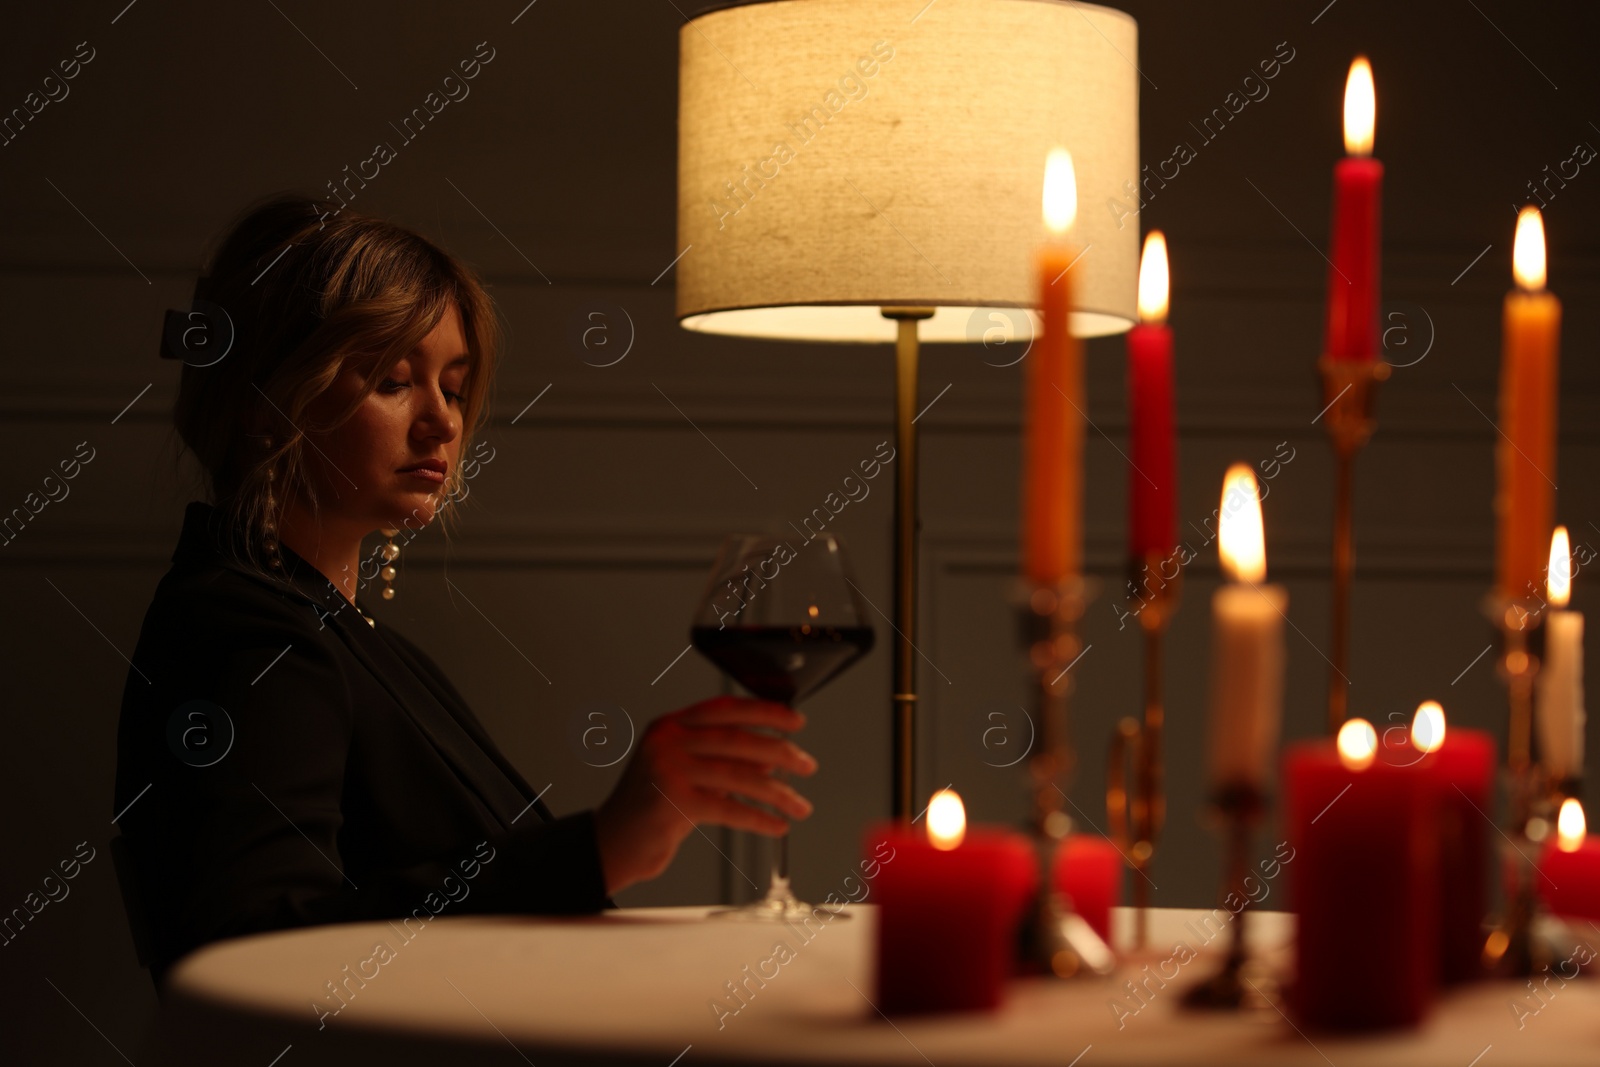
(586, 540)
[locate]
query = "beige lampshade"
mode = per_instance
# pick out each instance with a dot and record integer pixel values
(840, 156)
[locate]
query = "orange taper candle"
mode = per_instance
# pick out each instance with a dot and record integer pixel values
(1052, 526)
(1526, 450)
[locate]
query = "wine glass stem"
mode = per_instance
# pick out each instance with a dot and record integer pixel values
(780, 865)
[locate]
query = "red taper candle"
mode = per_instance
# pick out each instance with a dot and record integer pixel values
(1357, 188)
(1152, 484)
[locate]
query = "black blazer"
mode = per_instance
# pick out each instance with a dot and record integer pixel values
(343, 779)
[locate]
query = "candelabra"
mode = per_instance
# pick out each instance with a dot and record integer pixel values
(1055, 939)
(1137, 814)
(1241, 808)
(1513, 949)
(1349, 389)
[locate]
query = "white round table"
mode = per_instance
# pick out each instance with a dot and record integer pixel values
(643, 986)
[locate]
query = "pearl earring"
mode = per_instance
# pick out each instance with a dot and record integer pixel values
(390, 553)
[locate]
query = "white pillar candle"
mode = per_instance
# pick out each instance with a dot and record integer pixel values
(1560, 714)
(1247, 655)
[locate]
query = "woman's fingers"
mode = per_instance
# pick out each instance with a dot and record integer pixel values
(742, 711)
(725, 811)
(693, 766)
(730, 742)
(737, 776)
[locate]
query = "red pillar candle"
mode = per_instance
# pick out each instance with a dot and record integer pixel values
(1364, 884)
(1357, 188)
(1152, 478)
(1052, 523)
(1088, 868)
(1569, 870)
(950, 902)
(1462, 763)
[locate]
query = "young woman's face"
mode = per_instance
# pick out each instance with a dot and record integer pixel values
(364, 469)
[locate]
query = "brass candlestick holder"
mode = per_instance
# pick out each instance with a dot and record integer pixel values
(1560, 789)
(1512, 949)
(1240, 808)
(1055, 939)
(1349, 390)
(1138, 815)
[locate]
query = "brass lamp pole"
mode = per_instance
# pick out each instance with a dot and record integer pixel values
(905, 558)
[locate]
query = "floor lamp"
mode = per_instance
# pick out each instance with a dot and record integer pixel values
(859, 171)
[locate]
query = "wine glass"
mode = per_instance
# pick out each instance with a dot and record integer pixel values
(780, 616)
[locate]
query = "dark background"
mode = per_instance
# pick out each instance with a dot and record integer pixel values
(585, 542)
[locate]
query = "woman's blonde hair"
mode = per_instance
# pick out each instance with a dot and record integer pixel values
(307, 286)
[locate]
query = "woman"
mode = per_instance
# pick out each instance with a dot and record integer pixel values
(283, 758)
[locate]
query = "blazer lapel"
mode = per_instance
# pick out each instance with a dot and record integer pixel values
(464, 718)
(465, 749)
(471, 762)
(466, 756)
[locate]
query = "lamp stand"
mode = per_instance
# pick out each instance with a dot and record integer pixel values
(903, 741)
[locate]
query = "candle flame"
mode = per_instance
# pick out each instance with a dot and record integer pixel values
(947, 820)
(1427, 726)
(1527, 251)
(1154, 282)
(1240, 539)
(1060, 191)
(1360, 108)
(1571, 827)
(1558, 581)
(1358, 744)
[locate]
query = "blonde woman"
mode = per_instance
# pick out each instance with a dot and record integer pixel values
(290, 760)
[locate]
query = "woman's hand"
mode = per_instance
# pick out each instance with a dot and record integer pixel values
(691, 767)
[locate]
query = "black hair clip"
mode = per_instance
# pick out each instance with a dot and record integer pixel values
(201, 336)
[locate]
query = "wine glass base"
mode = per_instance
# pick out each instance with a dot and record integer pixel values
(779, 905)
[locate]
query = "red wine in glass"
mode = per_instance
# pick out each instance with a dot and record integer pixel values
(782, 617)
(782, 663)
